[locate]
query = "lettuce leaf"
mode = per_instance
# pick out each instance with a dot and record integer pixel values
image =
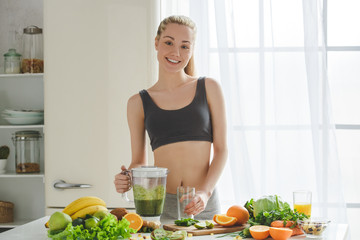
(268, 203)
(109, 228)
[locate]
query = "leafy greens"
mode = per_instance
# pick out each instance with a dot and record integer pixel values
(267, 209)
(108, 228)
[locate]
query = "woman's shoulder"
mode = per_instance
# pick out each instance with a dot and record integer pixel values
(212, 85)
(134, 101)
(135, 98)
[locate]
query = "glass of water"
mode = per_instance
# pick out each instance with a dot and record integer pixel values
(184, 197)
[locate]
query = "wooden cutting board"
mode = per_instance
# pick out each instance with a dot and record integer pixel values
(218, 229)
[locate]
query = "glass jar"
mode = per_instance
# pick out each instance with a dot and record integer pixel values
(27, 151)
(33, 56)
(12, 61)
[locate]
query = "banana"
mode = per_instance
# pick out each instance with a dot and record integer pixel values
(81, 203)
(88, 210)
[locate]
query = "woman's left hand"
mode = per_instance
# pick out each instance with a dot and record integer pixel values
(198, 204)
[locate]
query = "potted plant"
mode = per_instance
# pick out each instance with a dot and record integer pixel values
(4, 154)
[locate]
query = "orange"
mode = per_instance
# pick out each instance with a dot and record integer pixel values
(280, 233)
(135, 220)
(224, 220)
(259, 231)
(240, 212)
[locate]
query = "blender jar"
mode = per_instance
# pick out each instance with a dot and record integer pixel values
(149, 188)
(12, 61)
(32, 50)
(27, 151)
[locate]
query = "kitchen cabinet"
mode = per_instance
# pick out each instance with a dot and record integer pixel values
(26, 191)
(95, 59)
(20, 91)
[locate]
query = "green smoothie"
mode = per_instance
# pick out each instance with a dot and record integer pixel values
(149, 202)
(149, 208)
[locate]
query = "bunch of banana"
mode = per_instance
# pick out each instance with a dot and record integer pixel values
(82, 206)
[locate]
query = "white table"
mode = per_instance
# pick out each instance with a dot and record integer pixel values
(36, 230)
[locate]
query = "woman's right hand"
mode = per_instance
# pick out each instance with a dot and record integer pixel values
(123, 180)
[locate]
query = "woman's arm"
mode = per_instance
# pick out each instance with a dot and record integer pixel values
(135, 117)
(218, 117)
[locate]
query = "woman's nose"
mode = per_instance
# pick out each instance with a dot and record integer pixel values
(176, 51)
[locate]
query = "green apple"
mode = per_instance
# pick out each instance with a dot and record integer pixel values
(59, 221)
(101, 214)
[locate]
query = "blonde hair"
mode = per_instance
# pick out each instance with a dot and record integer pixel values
(181, 20)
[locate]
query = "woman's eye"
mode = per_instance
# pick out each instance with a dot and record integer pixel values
(168, 43)
(185, 47)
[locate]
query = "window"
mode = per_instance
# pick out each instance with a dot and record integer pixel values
(264, 46)
(343, 55)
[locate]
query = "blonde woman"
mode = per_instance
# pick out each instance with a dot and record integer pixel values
(184, 115)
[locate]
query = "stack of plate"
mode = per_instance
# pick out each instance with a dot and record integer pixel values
(22, 117)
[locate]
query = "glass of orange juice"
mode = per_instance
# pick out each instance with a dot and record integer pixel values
(302, 201)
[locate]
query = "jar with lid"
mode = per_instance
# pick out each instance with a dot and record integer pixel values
(12, 61)
(27, 151)
(33, 56)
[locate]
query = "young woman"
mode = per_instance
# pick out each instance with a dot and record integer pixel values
(183, 116)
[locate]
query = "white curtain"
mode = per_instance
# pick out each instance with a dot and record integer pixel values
(270, 58)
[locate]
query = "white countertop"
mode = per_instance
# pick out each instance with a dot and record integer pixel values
(36, 230)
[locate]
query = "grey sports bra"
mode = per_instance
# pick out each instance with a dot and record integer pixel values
(190, 123)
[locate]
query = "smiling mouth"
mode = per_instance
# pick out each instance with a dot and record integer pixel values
(172, 60)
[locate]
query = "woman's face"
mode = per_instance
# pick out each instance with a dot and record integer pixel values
(175, 47)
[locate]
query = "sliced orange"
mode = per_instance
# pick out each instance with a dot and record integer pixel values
(224, 220)
(280, 233)
(135, 220)
(259, 232)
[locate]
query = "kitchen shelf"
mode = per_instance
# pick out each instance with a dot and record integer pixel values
(21, 75)
(20, 126)
(13, 174)
(15, 223)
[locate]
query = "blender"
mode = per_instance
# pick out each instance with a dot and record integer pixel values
(149, 187)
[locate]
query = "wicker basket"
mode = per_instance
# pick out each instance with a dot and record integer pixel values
(6, 212)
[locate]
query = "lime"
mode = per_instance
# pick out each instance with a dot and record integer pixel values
(209, 224)
(200, 225)
(91, 222)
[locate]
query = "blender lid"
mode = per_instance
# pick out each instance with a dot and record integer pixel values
(149, 171)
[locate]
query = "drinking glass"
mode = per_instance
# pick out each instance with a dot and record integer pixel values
(184, 197)
(302, 201)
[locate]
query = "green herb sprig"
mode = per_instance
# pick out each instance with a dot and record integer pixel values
(286, 214)
(186, 222)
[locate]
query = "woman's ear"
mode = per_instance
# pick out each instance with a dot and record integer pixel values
(156, 44)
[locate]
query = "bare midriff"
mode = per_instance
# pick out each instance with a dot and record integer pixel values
(187, 162)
